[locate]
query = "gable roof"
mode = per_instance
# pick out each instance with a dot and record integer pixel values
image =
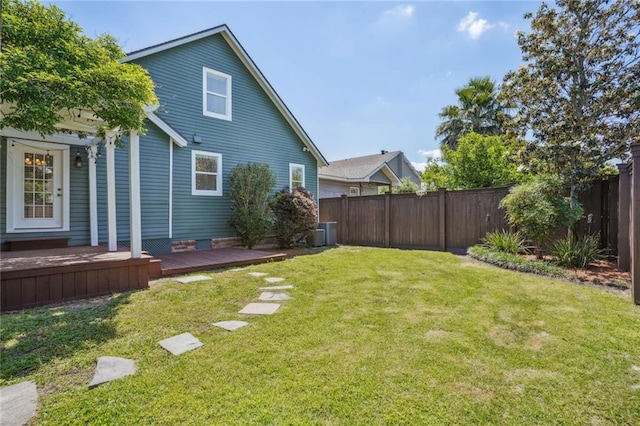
(237, 48)
(359, 169)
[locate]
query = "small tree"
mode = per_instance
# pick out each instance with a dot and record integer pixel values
(296, 215)
(406, 187)
(251, 215)
(539, 209)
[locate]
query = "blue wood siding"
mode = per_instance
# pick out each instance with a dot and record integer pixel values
(79, 226)
(257, 133)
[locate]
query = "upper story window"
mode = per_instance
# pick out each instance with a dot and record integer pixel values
(206, 173)
(296, 176)
(216, 94)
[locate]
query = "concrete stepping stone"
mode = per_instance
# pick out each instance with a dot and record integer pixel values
(258, 274)
(277, 287)
(273, 280)
(18, 403)
(181, 343)
(111, 368)
(260, 309)
(230, 325)
(237, 269)
(184, 280)
(274, 296)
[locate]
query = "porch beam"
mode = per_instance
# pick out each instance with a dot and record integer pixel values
(110, 138)
(134, 195)
(93, 194)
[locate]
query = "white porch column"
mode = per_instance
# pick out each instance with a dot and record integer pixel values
(134, 195)
(93, 194)
(110, 138)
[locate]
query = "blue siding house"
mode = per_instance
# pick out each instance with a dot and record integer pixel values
(216, 111)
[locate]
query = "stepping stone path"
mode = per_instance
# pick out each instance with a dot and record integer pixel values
(277, 287)
(258, 274)
(237, 269)
(260, 309)
(181, 343)
(230, 325)
(184, 280)
(274, 296)
(273, 280)
(18, 403)
(111, 368)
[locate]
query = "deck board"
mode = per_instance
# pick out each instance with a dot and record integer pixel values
(200, 260)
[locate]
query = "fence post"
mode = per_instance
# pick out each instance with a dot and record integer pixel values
(387, 219)
(344, 219)
(442, 213)
(635, 223)
(624, 228)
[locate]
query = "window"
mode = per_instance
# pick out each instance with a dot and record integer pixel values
(296, 176)
(216, 94)
(206, 175)
(354, 191)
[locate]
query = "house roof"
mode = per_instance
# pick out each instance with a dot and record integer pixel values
(359, 169)
(235, 45)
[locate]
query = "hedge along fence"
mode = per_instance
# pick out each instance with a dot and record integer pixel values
(451, 220)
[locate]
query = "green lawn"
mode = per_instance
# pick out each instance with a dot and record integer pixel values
(372, 336)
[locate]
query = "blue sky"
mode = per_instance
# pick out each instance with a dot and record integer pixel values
(359, 76)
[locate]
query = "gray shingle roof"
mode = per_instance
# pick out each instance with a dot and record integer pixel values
(357, 167)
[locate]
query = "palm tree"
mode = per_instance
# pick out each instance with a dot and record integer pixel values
(478, 110)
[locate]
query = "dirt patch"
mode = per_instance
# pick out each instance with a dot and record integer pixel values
(537, 341)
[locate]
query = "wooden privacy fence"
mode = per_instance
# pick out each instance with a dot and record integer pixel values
(452, 220)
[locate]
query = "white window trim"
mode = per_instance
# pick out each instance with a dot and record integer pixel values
(291, 167)
(206, 112)
(195, 191)
(351, 191)
(12, 223)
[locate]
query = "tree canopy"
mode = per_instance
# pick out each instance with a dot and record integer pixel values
(478, 110)
(578, 92)
(50, 70)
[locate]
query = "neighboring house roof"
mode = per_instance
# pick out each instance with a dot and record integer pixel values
(235, 45)
(362, 169)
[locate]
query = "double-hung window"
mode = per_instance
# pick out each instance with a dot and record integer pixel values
(206, 173)
(296, 176)
(216, 94)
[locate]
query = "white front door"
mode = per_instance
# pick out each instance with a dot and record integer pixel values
(37, 186)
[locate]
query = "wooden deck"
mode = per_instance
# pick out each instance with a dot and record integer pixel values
(200, 260)
(41, 277)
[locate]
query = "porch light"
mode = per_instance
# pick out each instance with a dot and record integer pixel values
(78, 159)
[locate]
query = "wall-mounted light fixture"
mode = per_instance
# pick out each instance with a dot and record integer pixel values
(305, 149)
(78, 159)
(196, 138)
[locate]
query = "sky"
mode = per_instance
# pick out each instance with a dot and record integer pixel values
(359, 76)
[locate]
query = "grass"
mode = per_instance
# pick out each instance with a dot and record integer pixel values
(372, 336)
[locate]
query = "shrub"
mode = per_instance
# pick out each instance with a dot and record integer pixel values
(575, 252)
(406, 187)
(539, 209)
(505, 241)
(514, 262)
(296, 215)
(251, 215)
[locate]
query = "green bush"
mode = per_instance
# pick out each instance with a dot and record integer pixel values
(574, 252)
(251, 215)
(514, 262)
(539, 209)
(296, 215)
(505, 241)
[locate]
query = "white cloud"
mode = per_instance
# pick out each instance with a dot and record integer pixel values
(504, 26)
(474, 26)
(394, 20)
(419, 166)
(402, 12)
(434, 153)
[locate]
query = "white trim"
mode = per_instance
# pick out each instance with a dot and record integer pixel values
(218, 191)
(12, 225)
(111, 194)
(250, 65)
(62, 138)
(170, 189)
(291, 167)
(162, 125)
(135, 216)
(205, 91)
(93, 195)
